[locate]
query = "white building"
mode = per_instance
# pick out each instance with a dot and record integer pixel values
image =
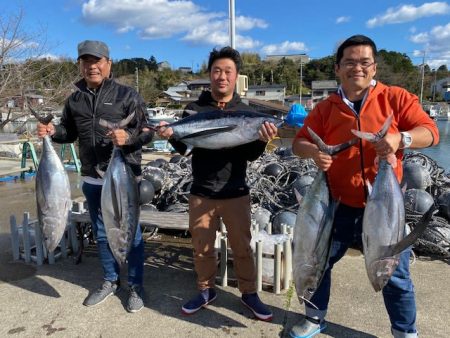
(272, 93)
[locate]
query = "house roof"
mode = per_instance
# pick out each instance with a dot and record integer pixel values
(267, 104)
(268, 86)
(329, 84)
(294, 57)
(199, 82)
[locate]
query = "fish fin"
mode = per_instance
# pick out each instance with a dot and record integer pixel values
(188, 150)
(411, 238)
(404, 188)
(331, 150)
(100, 172)
(301, 298)
(298, 196)
(190, 112)
(369, 187)
(207, 132)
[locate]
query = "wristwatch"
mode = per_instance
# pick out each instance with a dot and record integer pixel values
(406, 139)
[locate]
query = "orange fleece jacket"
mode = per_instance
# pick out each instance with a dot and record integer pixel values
(333, 120)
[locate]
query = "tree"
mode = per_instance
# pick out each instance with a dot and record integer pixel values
(319, 69)
(24, 71)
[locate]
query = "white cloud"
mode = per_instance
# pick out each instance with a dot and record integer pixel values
(420, 38)
(52, 57)
(342, 19)
(438, 38)
(247, 23)
(418, 53)
(284, 48)
(436, 42)
(407, 13)
(216, 33)
(158, 19)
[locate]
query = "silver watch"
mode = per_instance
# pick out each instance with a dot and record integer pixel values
(406, 139)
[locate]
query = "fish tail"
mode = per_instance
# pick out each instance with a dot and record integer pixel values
(375, 137)
(331, 150)
(42, 119)
(420, 227)
(120, 125)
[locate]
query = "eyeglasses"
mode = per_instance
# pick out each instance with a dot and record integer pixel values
(353, 64)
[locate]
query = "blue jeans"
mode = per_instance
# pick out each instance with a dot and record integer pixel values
(398, 294)
(110, 266)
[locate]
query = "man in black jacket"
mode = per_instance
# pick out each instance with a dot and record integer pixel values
(219, 190)
(98, 96)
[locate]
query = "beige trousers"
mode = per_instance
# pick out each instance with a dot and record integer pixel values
(204, 221)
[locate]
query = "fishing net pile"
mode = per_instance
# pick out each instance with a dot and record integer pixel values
(272, 179)
(276, 175)
(427, 183)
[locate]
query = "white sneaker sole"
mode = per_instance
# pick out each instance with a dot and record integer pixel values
(192, 311)
(266, 318)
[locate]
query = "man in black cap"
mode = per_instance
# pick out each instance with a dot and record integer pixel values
(99, 96)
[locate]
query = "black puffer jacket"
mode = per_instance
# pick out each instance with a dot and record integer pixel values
(220, 174)
(112, 102)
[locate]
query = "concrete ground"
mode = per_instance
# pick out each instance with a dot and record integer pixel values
(47, 301)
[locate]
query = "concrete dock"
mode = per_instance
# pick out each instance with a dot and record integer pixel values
(47, 301)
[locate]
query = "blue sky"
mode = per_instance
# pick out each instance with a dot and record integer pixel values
(184, 32)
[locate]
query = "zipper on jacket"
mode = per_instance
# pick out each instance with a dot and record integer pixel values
(366, 190)
(95, 102)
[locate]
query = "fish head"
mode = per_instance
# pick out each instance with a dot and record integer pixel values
(306, 282)
(119, 244)
(381, 270)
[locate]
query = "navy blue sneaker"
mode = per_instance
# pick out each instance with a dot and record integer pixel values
(259, 309)
(307, 327)
(201, 300)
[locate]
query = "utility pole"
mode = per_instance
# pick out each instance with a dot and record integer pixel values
(423, 75)
(137, 78)
(232, 25)
(301, 79)
(434, 86)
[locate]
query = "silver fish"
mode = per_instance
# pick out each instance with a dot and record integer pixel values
(52, 193)
(313, 228)
(384, 231)
(220, 129)
(119, 200)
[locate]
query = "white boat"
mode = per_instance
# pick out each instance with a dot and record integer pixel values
(162, 114)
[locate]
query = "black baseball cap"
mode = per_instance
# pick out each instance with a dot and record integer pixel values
(95, 48)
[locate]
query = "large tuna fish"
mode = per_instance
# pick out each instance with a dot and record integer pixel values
(384, 231)
(313, 228)
(120, 200)
(220, 129)
(52, 193)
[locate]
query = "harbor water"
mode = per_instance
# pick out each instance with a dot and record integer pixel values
(17, 197)
(440, 152)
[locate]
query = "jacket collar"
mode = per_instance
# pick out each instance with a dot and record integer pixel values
(82, 85)
(206, 98)
(375, 88)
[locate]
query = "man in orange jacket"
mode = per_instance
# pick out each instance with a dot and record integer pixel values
(362, 103)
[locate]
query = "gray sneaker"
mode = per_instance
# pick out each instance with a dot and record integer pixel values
(307, 328)
(135, 302)
(107, 289)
